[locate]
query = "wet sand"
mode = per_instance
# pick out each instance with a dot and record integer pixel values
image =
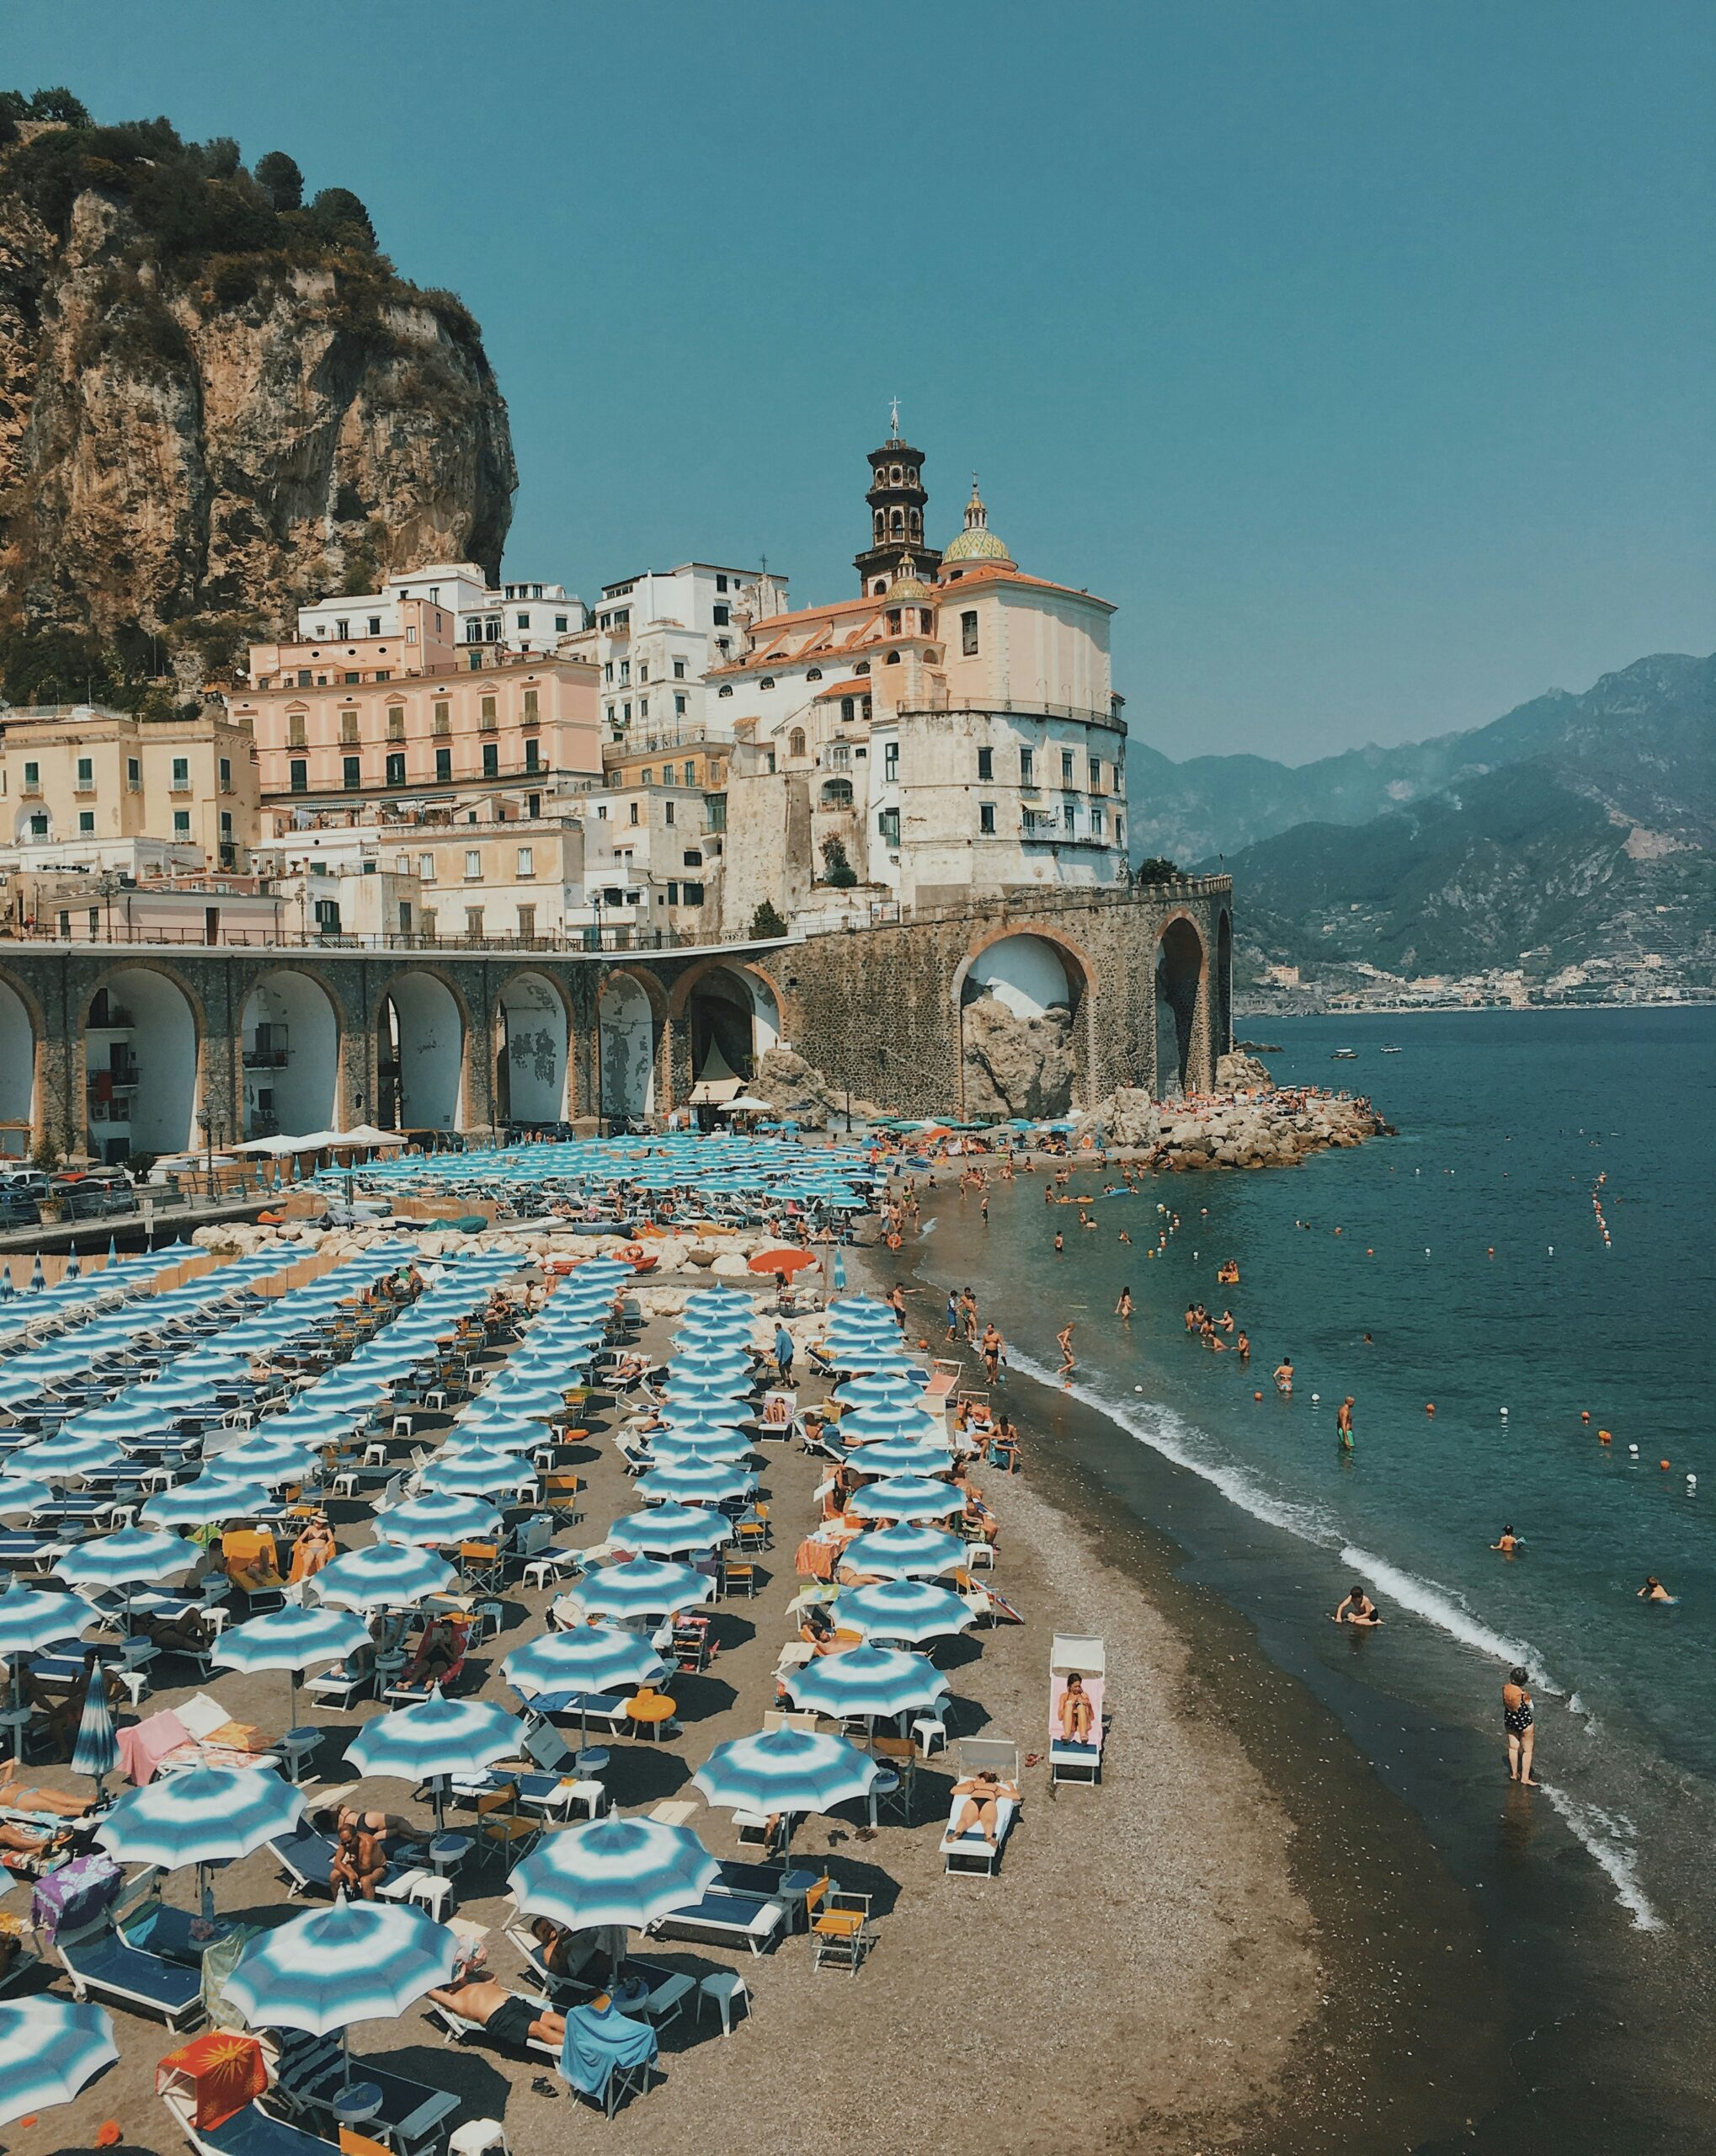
(1209, 1952)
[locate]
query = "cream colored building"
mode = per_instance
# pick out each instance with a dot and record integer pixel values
(927, 743)
(83, 786)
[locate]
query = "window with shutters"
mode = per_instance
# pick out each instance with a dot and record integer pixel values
(395, 722)
(352, 773)
(488, 722)
(442, 721)
(295, 729)
(348, 726)
(531, 712)
(491, 759)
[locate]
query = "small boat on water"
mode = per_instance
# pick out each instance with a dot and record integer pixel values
(1344, 1055)
(1389, 1050)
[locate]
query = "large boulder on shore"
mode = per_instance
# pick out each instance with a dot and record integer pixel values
(1128, 1118)
(1017, 1066)
(1238, 1073)
(796, 1091)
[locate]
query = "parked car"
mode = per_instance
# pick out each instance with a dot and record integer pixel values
(93, 1196)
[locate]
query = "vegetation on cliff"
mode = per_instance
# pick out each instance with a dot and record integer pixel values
(218, 398)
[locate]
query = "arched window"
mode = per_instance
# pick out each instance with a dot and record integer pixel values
(880, 525)
(894, 474)
(917, 523)
(893, 659)
(899, 523)
(878, 587)
(862, 667)
(725, 689)
(794, 742)
(911, 475)
(837, 793)
(893, 620)
(767, 682)
(847, 710)
(813, 673)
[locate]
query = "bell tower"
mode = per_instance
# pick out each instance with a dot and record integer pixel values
(897, 500)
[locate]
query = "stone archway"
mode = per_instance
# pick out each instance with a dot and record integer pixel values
(628, 1035)
(290, 1042)
(1182, 1016)
(732, 1016)
(532, 1057)
(1022, 1018)
(420, 1054)
(140, 1044)
(18, 1064)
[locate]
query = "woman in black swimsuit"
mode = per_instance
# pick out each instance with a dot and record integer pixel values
(1516, 1718)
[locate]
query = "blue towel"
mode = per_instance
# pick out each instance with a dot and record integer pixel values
(600, 2043)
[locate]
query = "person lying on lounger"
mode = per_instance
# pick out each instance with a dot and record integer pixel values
(816, 1628)
(502, 2014)
(984, 1793)
(1075, 1714)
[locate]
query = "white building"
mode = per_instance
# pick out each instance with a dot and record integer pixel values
(522, 617)
(659, 635)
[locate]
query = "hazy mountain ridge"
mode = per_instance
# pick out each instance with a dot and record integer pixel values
(1573, 827)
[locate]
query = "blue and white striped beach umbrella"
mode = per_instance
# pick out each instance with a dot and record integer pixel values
(209, 1496)
(696, 1482)
(474, 1473)
(904, 1425)
(588, 1658)
(644, 1588)
(436, 1737)
(357, 1962)
(73, 1456)
(868, 1681)
(901, 1609)
(291, 1638)
(50, 2049)
(895, 1389)
(707, 1418)
(388, 1575)
(268, 1460)
(673, 1448)
(904, 1553)
(671, 1531)
(785, 1771)
(96, 1753)
(31, 1618)
(906, 1497)
(613, 1872)
(135, 1556)
(441, 1517)
(38, 1277)
(205, 1816)
(902, 1456)
(22, 1494)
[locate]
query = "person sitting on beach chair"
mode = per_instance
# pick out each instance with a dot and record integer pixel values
(358, 1865)
(984, 1793)
(1075, 1715)
(440, 1656)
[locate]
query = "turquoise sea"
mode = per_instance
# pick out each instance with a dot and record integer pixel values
(1469, 1251)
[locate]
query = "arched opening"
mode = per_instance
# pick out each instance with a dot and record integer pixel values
(794, 742)
(627, 1047)
(1179, 972)
(1019, 1006)
(140, 1060)
(837, 793)
(734, 1019)
(1224, 985)
(290, 1046)
(33, 825)
(421, 1055)
(530, 1058)
(17, 1073)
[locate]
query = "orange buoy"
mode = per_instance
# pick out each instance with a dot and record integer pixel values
(1663, 1465)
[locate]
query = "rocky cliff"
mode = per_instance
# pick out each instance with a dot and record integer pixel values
(214, 403)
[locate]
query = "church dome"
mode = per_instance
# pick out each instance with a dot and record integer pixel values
(907, 588)
(976, 542)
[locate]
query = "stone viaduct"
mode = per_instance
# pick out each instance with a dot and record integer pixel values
(132, 1048)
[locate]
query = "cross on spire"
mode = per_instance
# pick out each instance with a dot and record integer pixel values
(894, 418)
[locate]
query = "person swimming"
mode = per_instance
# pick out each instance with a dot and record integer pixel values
(1509, 1543)
(1654, 1590)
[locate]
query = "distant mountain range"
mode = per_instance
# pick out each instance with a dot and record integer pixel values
(1576, 827)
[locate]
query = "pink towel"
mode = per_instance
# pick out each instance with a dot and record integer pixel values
(143, 1745)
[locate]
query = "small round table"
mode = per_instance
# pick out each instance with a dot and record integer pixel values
(650, 1711)
(446, 1852)
(356, 2104)
(593, 1760)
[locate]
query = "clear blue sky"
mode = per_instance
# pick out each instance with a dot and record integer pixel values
(1361, 352)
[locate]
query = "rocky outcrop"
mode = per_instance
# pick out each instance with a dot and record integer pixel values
(1238, 1073)
(1263, 1131)
(796, 1091)
(1016, 1066)
(192, 442)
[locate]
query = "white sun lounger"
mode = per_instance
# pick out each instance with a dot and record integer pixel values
(1068, 1761)
(969, 1852)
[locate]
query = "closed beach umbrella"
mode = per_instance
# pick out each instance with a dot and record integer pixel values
(905, 1553)
(388, 1575)
(868, 1681)
(907, 1497)
(50, 2049)
(443, 1516)
(96, 1753)
(436, 1737)
(786, 1772)
(645, 1588)
(208, 1497)
(589, 1658)
(901, 1609)
(205, 1816)
(707, 1481)
(618, 1873)
(357, 1962)
(669, 1530)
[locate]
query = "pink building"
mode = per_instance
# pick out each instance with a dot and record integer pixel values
(359, 725)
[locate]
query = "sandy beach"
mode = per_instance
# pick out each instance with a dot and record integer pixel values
(1148, 1970)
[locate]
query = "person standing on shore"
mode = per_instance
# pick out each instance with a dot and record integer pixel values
(783, 1353)
(897, 1303)
(952, 1315)
(1063, 1340)
(994, 1347)
(1518, 1719)
(1343, 1423)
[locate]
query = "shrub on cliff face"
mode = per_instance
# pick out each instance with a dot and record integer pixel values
(767, 922)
